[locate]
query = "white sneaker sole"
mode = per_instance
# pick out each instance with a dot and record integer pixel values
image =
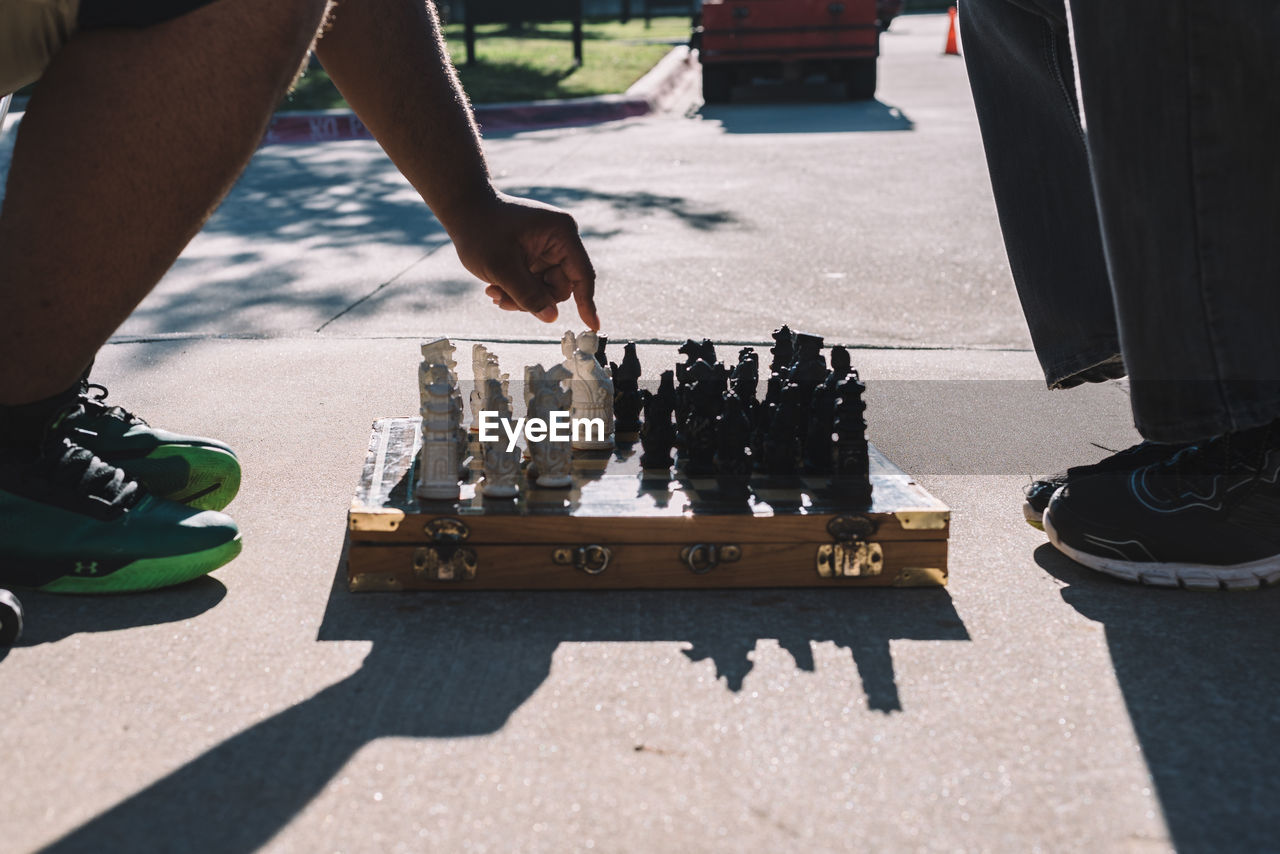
(1192, 576)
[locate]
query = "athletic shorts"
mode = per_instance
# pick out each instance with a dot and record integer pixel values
(32, 31)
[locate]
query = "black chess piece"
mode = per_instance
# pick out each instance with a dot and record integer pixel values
(698, 433)
(782, 440)
(818, 442)
(851, 463)
(692, 352)
(658, 432)
(627, 402)
(733, 434)
(743, 380)
(781, 349)
(808, 367)
(840, 364)
(600, 355)
(707, 351)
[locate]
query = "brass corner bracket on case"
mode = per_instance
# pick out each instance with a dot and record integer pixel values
(446, 559)
(921, 576)
(375, 520)
(850, 556)
(591, 559)
(923, 520)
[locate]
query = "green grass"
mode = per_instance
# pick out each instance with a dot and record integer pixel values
(534, 63)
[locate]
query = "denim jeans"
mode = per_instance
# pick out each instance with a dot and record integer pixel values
(1134, 152)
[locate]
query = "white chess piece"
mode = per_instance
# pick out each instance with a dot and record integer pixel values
(592, 391)
(545, 392)
(443, 440)
(479, 358)
(439, 351)
(501, 467)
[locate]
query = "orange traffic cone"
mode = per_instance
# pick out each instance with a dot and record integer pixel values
(952, 48)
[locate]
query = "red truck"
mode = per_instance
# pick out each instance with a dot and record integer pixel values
(792, 40)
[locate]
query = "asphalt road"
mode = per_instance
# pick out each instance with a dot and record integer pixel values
(1028, 706)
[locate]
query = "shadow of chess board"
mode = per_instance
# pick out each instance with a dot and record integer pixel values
(620, 526)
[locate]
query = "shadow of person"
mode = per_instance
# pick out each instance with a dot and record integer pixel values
(446, 665)
(51, 617)
(1198, 672)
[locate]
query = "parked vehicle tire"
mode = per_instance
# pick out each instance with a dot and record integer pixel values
(860, 79)
(717, 84)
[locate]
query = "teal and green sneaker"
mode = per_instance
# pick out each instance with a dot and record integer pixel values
(76, 524)
(201, 473)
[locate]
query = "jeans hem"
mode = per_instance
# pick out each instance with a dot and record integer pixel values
(1061, 374)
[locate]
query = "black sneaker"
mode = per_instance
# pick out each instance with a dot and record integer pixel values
(1040, 490)
(75, 524)
(1207, 518)
(192, 470)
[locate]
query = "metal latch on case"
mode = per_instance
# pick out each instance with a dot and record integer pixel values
(446, 559)
(704, 557)
(850, 556)
(591, 559)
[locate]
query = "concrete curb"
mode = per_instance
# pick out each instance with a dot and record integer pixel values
(651, 93)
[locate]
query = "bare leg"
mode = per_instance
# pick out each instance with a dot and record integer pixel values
(130, 142)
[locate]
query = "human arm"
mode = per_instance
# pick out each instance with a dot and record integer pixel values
(388, 60)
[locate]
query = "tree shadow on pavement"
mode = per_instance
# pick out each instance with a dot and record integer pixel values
(1198, 672)
(781, 114)
(305, 233)
(687, 211)
(51, 617)
(451, 665)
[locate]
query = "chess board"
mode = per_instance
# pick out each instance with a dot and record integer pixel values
(623, 527)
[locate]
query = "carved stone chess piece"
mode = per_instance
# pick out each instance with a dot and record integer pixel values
(781, 444)
(732, 436)
(626, 394)
(443, 436)
(547, 392)
(705, 404)
(781, 351)
(479, 358)
(852, 464)
(501, 467)
(592, 393)
(818, 434)
(658, 433)
(808, 367)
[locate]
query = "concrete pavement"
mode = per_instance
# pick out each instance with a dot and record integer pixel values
(1028, 706)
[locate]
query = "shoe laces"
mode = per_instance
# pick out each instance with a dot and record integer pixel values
(93, 397)
(71, 474)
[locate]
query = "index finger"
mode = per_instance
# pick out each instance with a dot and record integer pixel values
(582, 278)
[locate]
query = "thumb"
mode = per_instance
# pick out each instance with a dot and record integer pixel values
(528, 291)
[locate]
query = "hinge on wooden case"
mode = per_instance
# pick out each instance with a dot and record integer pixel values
(850, 556)
(446, 559)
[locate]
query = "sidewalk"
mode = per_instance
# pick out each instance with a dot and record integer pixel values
(1029, 705)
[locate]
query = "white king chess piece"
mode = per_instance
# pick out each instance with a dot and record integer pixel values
(442, 437)
(592, 394)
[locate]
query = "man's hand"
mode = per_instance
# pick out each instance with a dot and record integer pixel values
(530, 254)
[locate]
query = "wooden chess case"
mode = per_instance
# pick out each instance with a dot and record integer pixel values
(621, 527)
